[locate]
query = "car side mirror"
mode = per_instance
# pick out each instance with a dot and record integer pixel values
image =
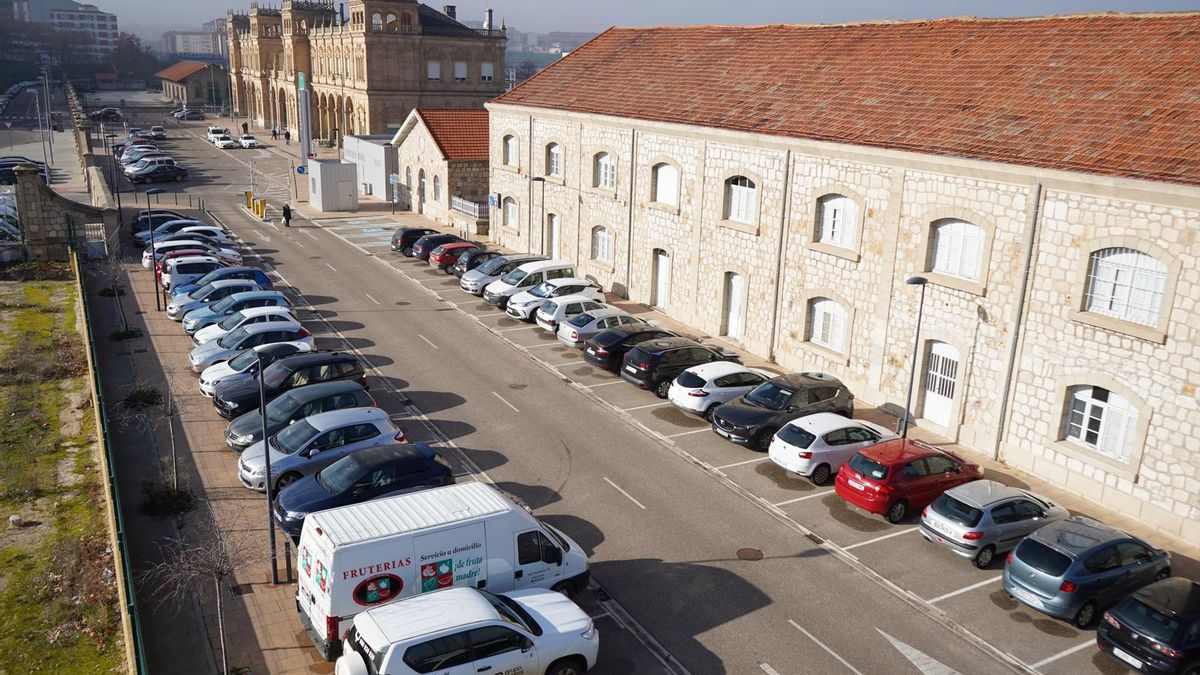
(793, 408)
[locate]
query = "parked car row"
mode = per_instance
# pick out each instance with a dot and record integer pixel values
(142, 161)
(220, 137)
(351, 491)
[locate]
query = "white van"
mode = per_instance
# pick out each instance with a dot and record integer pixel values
(525, 278)
(364, 555)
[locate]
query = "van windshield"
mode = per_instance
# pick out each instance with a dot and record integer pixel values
(514, 277)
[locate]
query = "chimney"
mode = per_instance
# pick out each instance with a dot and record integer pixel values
(487, 20)
(449, 10)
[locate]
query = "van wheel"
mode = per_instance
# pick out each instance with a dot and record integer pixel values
(820, 475)
(984, 557)
(565, 667)
(567, 588)
(897, 511)
(1085, 615)
(286, 480)
(662, 388)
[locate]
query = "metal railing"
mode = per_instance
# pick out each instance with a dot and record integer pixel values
(479, 211)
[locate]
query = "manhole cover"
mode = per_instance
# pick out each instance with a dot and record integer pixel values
(749, 554)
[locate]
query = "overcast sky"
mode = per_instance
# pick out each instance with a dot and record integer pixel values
(596, 15)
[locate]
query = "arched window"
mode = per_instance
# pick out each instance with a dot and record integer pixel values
(827, 324)
(510, 150)
(664, 184)
(604, 171)
(740, 199)
(1101, 420)
(510, 213)
(601, 244)
(437, 188)
(1126, 284)
(554, 160)
(391, 23)
(376, 22)
(837, 217)
(408, 176)
(958, 248)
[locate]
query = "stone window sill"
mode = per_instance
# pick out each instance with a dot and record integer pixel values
(601, 191)
(830, 355)
(601, 266)
(834, 250)
(510, 169)
(1147, 333)
(957, 283)
(555, 180)
(748, 228)
(672, 209)
(1105, 463)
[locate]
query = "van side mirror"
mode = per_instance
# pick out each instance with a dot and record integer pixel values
(552, 555)
(526, 645)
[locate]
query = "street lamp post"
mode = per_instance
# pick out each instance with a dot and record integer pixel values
(153, 274)
(912, 373)
(112, 172)
(266, 441)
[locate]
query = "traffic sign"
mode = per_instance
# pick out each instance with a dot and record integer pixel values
(301, 169)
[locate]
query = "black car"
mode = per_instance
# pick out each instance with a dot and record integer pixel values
(159, 173)
(1156, 629)
(157, 217)
(237, 398)
(295, 405)
(472, 258)
(425, 245)
(754, 418)
(192, 115)
(607, 350)
(381, 471)
(404, 238)
(654, 364)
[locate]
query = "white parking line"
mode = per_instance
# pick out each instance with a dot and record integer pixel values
(427, 341)
(573, 363)
(509, 330)
(327, 264)
(829, 651)
(618, 487)
(741, 463)
(687, 433)
(766, 668)
(872, 541)
(965, 589)
(643, 407)
(437, 279)
(372, 299)
(310, 234)
(1066, 652)
(814, 495)
(544, 344)
(604, 384)
(298, 244)
(502, 400)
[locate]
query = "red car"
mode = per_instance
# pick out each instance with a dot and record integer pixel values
(443, 257)
(895, 477)
(182, 253)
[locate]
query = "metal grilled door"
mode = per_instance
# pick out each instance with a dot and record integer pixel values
(941, 381)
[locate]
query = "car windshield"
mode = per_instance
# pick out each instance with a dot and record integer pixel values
(230, 322)
(542, 290)
(243, 361)
(281, 409)
(514, 277)
(223, 304)
(511, 612)
(490, 267)
(868, 467)
(204, 291)
(770, 396)
(1148, 621)
(581, 320)
(952, 509)
(208, 278)
(274, 374)
(340, 476)
(794, 435)
(1042, 558)
(230, 341)
(294, 437)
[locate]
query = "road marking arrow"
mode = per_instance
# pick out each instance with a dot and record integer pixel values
(924, 662)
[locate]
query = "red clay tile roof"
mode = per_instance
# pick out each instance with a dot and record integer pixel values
(1107, 94)
(181, 71)
(459, 134)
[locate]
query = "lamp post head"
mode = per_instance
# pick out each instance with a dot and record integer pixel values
(538, 179)
(916, 281)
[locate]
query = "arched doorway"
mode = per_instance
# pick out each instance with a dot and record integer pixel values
(283, 110)
(940, 383)
(421, 191)
(735, 306)
(660, 285)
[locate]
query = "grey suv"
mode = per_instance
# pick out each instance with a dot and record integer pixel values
(753, 418)
(979, 519)
(477, 279)
(1077, 567)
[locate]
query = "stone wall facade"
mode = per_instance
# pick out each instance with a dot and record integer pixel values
(429, 181)
(49, 220)
(1000, 350)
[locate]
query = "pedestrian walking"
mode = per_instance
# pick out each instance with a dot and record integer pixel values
(287, 216)
(275, 133)
(245, 128)
(287, 137)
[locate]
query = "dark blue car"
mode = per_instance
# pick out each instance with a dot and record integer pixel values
(381, 471)
(249, 273)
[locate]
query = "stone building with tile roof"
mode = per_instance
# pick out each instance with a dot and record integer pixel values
(366, 70)
(195, 83)
(443, 166)
(777, 185)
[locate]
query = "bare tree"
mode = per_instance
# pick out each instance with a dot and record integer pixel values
(205, 558)
(148, 408)
(111, 269)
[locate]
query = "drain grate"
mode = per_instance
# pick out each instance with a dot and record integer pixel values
(815, 539)
(242, 589)
(749, 554)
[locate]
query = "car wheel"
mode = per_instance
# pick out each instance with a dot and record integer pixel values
(179, 178)
(897, 511)
(763, 440)
(286, 480)
(406, 251)
(820, 475)
(567, 588)
(1162, 574)
(565, 667)
(708, 412)
(662, 388)
(984, 557)
(1085, 615)
(446, 269)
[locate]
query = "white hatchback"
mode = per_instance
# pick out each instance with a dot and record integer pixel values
(528, 631)
(700, 389)
(557, 311)
(818, 445)
(246, 317)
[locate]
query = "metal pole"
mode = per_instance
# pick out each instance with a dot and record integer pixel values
(153, 276)
(542, 217)
(912, 373)
(38, 107)
(262, 414)
(49, 124)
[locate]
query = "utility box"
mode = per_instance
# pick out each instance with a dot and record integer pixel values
(376, 160)
(332, 185)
